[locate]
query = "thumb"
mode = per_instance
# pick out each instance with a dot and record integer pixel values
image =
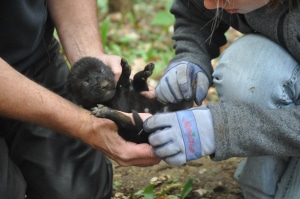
(201, 88)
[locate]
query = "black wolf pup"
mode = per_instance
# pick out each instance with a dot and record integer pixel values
(92, 85)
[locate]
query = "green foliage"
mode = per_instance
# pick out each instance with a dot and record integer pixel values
(163, 18)
(116, 185)
(102, 6)
(104, 30)
(149, 191)
(144, 33)
(187, 188)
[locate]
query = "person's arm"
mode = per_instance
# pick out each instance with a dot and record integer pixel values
(198, 33)
(77, 26)
(76, 22)
(261, 132)
(25, 100)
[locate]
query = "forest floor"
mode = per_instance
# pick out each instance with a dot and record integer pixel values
(211, 180)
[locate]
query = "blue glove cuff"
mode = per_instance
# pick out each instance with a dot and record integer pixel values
(190, 134)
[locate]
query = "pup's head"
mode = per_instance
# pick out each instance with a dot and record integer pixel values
(91, 82)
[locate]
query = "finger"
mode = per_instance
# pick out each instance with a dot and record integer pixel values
(145, 156)
(160, 94)
(169, 90)
(169, 86)
(201, 88)
(184, 81)
(158, 121)
(173, 83)
(145, 116)
(167, 150)
(160, 137)
(114, 62)
(138, 155)
(176, 160)
(149, 94)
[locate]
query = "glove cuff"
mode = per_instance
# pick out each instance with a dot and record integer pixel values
(190, 135)
(206, 131)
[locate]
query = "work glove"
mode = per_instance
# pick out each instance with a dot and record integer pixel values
(178, 137)
(182, 81)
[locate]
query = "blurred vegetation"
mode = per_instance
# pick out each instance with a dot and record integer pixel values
(141, 35)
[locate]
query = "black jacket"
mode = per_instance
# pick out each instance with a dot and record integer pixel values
(24, 31)
(199, 33)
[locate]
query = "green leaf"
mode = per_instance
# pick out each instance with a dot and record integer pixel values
(104, 29)
(163, 18)
(149, 192)
(139, 193)
(188, 187)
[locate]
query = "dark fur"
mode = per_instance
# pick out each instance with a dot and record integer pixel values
(91, 83)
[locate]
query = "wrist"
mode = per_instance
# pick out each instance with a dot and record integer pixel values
(79, 125)
(204, 120)
(95, 131)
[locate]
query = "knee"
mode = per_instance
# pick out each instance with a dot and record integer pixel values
(253, 69)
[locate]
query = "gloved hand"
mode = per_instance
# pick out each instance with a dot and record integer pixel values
(183, 80)
(181, 136)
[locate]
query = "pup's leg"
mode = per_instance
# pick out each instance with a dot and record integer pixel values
(124, 80)
(126, 128)
(139, 82)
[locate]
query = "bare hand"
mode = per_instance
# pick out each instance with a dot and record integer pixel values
(114, 62)
(104, 137)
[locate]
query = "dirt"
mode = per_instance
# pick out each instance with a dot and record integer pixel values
(210, 180)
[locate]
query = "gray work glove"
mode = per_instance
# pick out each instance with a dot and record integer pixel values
(182, 81)
(181, 136)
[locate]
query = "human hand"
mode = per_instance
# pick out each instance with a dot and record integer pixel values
(105, 138)
(114, 62)
(181, 136)
(183, 81)
(150, 94)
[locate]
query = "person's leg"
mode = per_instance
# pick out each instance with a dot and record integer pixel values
(255, 69)
(54, 165)
(12, 183)
(288, 186)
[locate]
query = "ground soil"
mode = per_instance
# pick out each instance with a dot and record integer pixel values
(210, 180)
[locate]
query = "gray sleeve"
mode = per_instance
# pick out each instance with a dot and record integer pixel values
(243, 130)
(198, 34)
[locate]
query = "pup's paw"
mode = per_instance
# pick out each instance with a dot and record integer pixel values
(100, 110)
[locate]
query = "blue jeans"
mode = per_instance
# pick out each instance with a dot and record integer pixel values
(255, 69)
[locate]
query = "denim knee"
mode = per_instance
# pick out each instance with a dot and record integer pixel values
(255, 69)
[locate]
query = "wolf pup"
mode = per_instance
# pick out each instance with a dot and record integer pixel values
(91, 84)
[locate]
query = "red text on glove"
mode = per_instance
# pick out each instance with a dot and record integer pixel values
(190, 135)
